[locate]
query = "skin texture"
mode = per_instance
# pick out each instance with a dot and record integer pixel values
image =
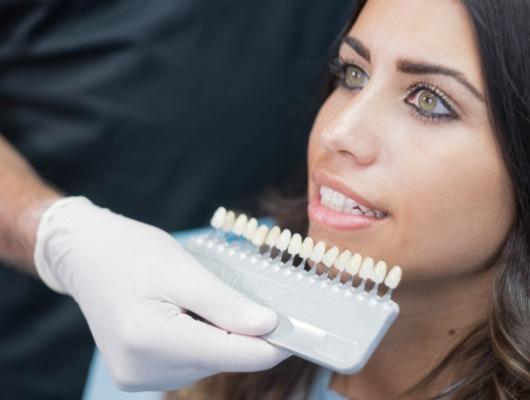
(21, 205)
(443, 183)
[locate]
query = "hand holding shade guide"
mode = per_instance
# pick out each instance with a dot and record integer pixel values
(335, 320)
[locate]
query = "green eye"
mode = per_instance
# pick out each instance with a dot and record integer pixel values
(427, 100)
(349, 76)
(354, 77)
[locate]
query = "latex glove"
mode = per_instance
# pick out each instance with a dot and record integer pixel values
(134, 284)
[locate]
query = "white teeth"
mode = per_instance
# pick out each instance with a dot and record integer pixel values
(250, 229)
(272, 236)
(307, 248)
(342, 260)
(318, 252)
(378, 275)
(393, 278)
(228, 223)
(354, 264)
(379, 214)
(239, 226)
(218, 218)
(326, 193)
(340, 202)
(283, 240)
(363, 208)
(330, 257)
(337, 201)
(366, 268)
(295, 245)
(259, 235)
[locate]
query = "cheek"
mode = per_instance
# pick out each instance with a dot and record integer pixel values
(457, 209)
(450, 196)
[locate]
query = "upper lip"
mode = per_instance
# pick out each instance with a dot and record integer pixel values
(320, 178)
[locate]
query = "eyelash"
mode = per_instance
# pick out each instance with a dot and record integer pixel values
(337, 68)
(415, 88)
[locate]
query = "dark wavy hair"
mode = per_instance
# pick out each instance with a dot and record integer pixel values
(494, 359)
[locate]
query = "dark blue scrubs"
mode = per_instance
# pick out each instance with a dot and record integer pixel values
(160, 110)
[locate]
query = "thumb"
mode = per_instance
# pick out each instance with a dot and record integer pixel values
(224, 306)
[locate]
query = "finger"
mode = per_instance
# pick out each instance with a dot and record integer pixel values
(206, 295)
(202, 346)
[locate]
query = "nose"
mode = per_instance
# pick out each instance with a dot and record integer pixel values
(352, 132)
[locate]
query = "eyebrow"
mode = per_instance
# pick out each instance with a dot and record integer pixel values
(421, 68)
(416, 68)
(358, 46)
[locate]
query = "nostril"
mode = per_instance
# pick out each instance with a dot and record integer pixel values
(361, 149)
(346, 154)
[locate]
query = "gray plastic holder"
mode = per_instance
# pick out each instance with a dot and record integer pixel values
(329, 323)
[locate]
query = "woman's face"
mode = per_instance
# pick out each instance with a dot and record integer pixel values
(406, 133)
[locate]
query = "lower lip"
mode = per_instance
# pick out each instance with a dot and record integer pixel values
(338, 220)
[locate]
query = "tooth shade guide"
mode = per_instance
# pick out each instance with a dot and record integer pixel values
(394, 277)
(314, 268)
(229, 222)
(335, 275)
(295, 245)
(218, 218)
(352, 270)
(297, 297)
(318, 252)
(353, 265)
(273, 236)
(270, 240)
(305, 253)
(307, 248)
(250, 228)
(316, 300)
(379, 273)
(240, 224)
(330, 257)
(293, 248)
(259, 236)
(355, 271)
(283, 240)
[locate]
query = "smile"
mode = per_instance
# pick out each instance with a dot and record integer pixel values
(338, 201)
(336, 206)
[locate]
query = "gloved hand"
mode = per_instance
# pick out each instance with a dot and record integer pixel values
(134, 284)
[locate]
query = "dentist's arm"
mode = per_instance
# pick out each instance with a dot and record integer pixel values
(23, 199)
(134, 284)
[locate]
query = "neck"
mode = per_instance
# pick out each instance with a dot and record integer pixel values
(433, 319)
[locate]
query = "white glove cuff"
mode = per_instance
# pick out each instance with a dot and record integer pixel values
(41, 257)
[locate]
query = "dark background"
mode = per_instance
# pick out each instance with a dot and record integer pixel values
(160, 110)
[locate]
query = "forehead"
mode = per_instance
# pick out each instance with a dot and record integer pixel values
(434, 31)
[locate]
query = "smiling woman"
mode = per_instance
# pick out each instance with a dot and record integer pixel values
(420, 156)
